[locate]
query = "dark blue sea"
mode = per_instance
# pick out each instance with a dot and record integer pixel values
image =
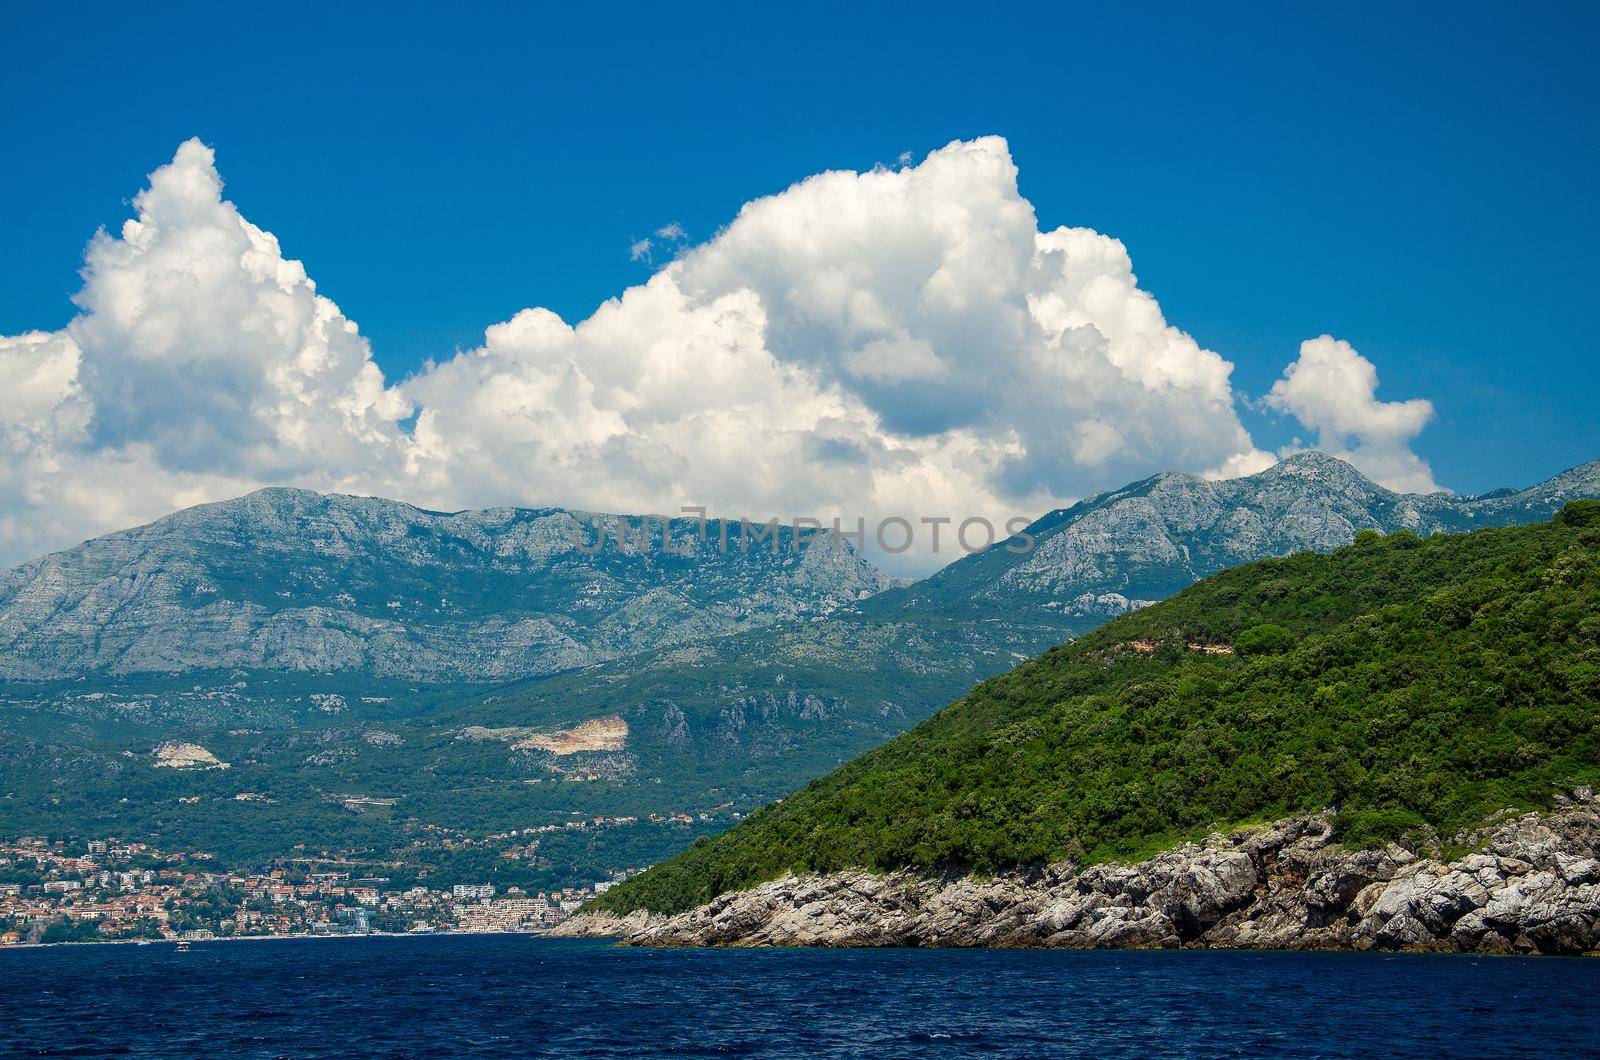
(511, 996)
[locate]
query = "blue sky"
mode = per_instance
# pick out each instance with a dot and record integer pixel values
(1419, 184)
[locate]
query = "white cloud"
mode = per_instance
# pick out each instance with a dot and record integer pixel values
(645, 249)
(1241, 464)
(201, 341)
(1040, 346)
(1332, 390)
(202, 363)
(900, 342)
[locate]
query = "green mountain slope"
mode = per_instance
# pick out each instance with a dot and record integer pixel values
(1404, 682)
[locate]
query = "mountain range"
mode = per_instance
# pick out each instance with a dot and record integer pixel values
(296, 581)
(371, 668)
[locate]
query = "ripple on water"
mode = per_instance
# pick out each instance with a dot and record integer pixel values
(506, 996)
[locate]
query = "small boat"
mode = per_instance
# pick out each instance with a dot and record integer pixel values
(183, 946)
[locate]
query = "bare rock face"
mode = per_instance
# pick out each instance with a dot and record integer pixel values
(1533, 886)
(609, 733)
(602, 925)
(174, 755)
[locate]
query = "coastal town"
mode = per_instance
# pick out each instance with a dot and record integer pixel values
(57, 891)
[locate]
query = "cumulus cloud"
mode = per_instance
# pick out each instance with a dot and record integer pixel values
(201, 363)
(895, 342)
(929, 295)
(1332, 390)
(201, 341)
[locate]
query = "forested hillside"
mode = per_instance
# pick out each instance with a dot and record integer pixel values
(1407, 683)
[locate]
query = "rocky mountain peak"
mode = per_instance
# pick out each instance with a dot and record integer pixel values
(1583, 480)
(1313, 469)
(1152, 538)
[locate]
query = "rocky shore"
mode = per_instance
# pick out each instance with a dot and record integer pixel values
(1531, 885)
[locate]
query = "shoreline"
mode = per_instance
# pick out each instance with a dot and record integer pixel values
(269, 938)
(622, 941)
(1532, 886)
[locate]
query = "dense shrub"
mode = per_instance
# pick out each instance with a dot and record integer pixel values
(1269, 638)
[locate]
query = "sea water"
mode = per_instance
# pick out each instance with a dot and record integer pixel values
(513, 996)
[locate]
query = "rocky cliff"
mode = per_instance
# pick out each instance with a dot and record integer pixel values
(1531, 885)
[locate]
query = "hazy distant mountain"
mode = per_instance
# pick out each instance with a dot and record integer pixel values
(290, 580)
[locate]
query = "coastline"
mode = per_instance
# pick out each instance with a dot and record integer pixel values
(169, 943)
(1532, 886)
